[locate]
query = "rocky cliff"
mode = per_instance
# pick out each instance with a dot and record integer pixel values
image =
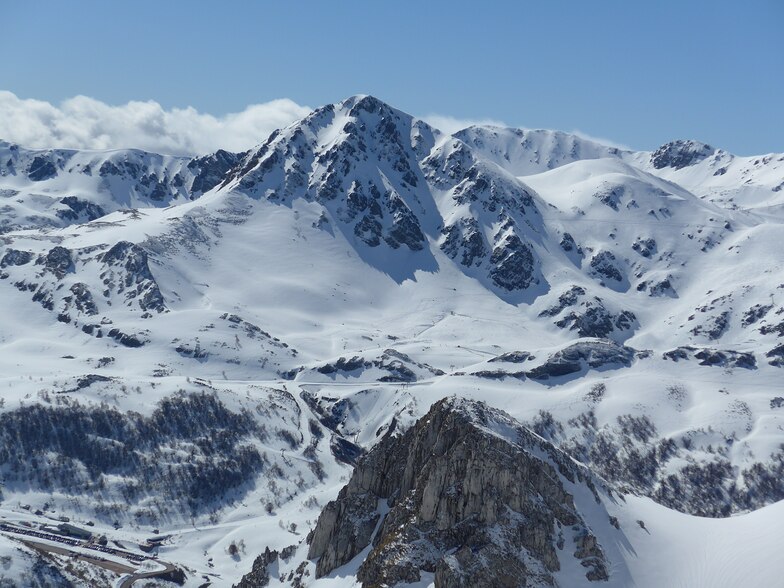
(468, 495)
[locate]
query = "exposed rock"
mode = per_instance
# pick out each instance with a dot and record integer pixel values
(568, 244)
(211, 169)
(610, 196)
(498, 374)
(513, 263)
(83, 299)
(258, 576)
(78, 209)
(590, 318)
(714, 326)
(125, 339)
(661, 287)
(405, 228)
(399, 367)
(15, 257)
(679, 154)
(58, 261)
(41, 169)
(776, 355)
(597, 321)
(578, 356)
(128, 270)
(605, 264)
(645, 247)
(755, 313)
(713, 357)
(512, 357)
(464, 241)
(566, 299)
(472, 497)
(344, 365)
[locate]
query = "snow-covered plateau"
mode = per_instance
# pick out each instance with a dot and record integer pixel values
(205, 363)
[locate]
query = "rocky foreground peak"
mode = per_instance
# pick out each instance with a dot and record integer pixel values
(466, 494)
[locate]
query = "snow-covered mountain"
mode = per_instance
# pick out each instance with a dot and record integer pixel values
(215, 341)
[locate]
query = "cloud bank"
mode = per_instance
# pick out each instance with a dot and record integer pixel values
(86, 123)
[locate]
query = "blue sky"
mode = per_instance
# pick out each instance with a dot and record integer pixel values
(638, 73)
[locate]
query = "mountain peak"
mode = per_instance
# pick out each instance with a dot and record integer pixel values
(365, 102)
(680, 153)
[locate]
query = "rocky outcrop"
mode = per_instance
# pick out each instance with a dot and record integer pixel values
(395, 366)
(713, 357)
(464, 242)
(79, 210)
(127, 271)
(582, 355)
(680, 154)
(604, 265)
(258, 577)
(466, 494)
(57, 261)
(589, 316)
(15, 257)
(210, 170)
(41, 169)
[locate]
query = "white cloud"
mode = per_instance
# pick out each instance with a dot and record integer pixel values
(86, 123)
(450, 124)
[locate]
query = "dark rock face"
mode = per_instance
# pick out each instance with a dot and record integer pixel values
(79, 209)
(258, 577)
(568, 244)
(713, 357)
(41, 169)
(397, 365)
(656, 288)
(588, 316)
(125, 339)
(645, 247)
(679, 154)
(605, 265)
(129, 271)
(463, 495)
(464, 242)
(714, 326)
(755, 313)
(344, 365)
(83, 299)
(565, 300)
(15, 257)
(576, 357)
(611, 196)
(512, 357)
(512, 264)
(597, 321)
(211, 169)
(776, 355)
(58, 261)
(405, 228)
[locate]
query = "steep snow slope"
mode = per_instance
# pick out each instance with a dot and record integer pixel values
(358, 266)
